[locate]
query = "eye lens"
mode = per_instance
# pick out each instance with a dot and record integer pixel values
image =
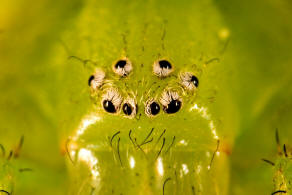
(109, 106)
(127, 109)
(162, 68)
(195, 80)
(154, 108)
(122, 67)
(173, 107)
(121, 64)
(164, 64)
(90, 79)
(189, 81)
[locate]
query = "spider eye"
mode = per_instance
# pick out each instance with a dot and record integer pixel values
(90, 80)
(109, 106)
(152, 108)
(195, 80)
(173, 107)
(123, 67)
(111, 101)
(162, 68)
(189, 81)
(171, 101)
(127, 109)
(121, 64)
(164, 64)
(130, 107)
(96, 80)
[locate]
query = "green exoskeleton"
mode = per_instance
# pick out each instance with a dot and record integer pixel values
(153, 119)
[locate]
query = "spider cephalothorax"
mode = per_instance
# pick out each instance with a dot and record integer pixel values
(149, 126)
(150, 120)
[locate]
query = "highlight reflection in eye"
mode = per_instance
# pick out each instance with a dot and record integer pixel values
(152, 108)
(162, 68)
(123, 67)
(130, 108)
(171, 101)
(111, 101)
(189, 80)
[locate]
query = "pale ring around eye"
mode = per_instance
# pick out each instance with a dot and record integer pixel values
(162, 68)
(170, 101)
(122, 67)
(152, 108)
(189, 81)
(129, 108)
(96, 80)
(111, 101)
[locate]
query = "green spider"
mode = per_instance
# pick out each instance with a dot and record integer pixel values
(136, 134)
(149, 96)
(150, 122)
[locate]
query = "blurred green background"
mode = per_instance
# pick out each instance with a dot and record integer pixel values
(31, 76)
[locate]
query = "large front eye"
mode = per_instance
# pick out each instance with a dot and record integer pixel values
(162, 68)
(111, 101)
(130, 108)
(152, 108)
(173, 107)
(171, 102)
(189, 81)
(123, 67)
(109, 106)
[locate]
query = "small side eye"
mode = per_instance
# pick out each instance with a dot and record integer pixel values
(127, 109)
(111, 101)
(171, 102)
(96, 80)
(195, 81)
(152, 108)
(130, 108)
(189, 81)
(123, 67)
(90, 80)
(162, 68)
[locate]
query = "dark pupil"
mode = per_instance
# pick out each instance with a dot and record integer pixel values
(195, 81)
(127, 109)
(120, 64)
(154, 107)
(90, 79)
(109, 106)
(173, 107)
(164, 64)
